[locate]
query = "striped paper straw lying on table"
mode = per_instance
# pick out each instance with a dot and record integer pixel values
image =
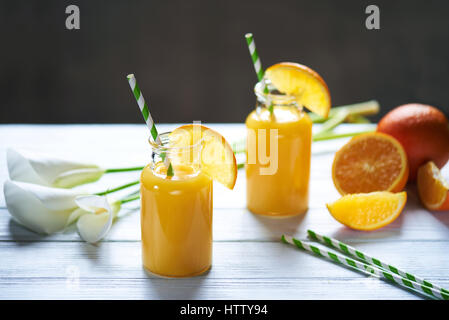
(347, 249)
(365, 268)
(148, 119)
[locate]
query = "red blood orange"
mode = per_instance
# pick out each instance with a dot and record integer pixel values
(423, 132)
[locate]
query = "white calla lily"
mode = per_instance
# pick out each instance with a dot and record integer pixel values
(48, 210)
(39, 208)
(75, 215)
(94, 226)
(50, 172)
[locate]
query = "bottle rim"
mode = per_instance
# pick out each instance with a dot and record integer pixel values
(165, 148)
(273, 95)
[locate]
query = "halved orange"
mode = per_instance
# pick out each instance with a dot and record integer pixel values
(304, 83)
(370, 162)
(368, 211)
(217, 158)
(433, 189)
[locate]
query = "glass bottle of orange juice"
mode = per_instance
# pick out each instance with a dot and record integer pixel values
(176, 212)
(278, 154)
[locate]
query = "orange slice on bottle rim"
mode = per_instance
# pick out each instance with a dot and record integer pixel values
(368, 211)
(216, 156)
(307, 85)
(433, 189)
(370, 162)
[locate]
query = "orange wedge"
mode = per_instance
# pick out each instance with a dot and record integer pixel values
(433, 189)
(304, 83)
(370, 162)
(368, 211)
(217, 158)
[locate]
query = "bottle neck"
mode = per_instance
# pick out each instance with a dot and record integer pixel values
(267, 95)
(186, 161)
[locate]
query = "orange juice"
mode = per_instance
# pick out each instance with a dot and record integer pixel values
(285, 191)
(176, 220)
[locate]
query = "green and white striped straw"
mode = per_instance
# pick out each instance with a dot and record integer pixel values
(256, 62)
(365, 268)
(347, 249)
(254, 56)
(148, 119)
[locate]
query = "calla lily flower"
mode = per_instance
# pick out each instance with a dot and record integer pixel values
(50, 172)
(94, 225)
(42, 209)
(48, 210)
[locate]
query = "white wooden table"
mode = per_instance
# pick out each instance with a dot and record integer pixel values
(249, 260)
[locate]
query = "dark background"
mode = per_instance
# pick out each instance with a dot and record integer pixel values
(192, 62)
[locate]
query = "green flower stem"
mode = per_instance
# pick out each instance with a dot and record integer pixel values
(332, 122)
(356, 118)
(353, 113)
(112, 170)
(362, 108)
(321, 136)
(132, 194)
(333, 135)
(239, 146)
(129, 199)
(118, 188)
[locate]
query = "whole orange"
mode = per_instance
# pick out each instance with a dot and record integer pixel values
(423, 132)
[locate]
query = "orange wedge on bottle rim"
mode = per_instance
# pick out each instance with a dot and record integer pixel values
(307, 85)
(433, 189)
(216, 156)
(370, 162)
(368, 211)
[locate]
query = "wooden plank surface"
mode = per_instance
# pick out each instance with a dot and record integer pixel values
(241, 270)
(249, 261)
